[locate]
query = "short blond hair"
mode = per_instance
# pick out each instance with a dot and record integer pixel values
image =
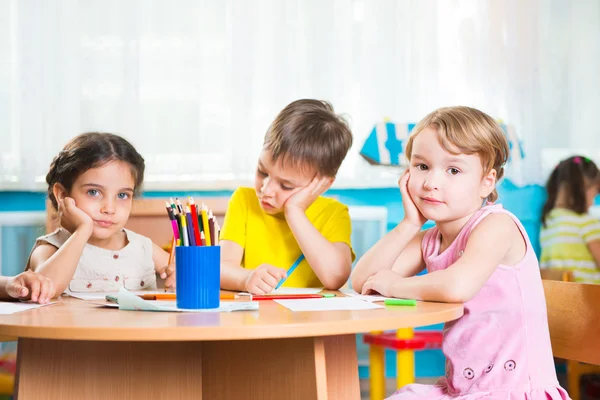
(471, 132)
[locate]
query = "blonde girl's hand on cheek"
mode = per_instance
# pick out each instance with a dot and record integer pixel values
(31, 285)
(72, 218)
(304, 197)
(381, 283)
(411, 212)
(263, 279)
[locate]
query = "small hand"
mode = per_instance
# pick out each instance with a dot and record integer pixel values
(31, 285)
(72, 217)
(304, 197)
(263, 279)
(168, 274)
(381, 283)
(411, 212)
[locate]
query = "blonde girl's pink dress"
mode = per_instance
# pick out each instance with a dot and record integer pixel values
(500, 348)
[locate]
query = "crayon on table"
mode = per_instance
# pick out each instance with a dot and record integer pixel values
(400, 302)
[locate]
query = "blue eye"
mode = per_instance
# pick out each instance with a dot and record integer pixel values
(93, 192)
(123, 196)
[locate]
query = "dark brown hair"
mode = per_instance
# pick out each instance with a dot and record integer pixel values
(308, 133)
(91, 150)
(574, 174)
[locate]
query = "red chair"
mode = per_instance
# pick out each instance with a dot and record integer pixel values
(405, 341)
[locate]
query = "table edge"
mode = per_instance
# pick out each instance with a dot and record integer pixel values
(221, 333)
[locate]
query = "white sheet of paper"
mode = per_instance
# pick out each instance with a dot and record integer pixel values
(370, 297)
(328, 304)
(8, 308)
(102, 295)
(129, 301)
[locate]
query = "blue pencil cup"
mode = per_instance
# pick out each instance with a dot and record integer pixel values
(198, 276)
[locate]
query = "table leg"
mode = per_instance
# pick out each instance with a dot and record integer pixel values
(293, 369)
(322, 368)
(60, 369)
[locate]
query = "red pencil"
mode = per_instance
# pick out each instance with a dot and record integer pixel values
(195, 222)
(281, 296)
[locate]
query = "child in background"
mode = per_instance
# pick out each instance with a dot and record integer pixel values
(91, 183)
(27, 285)
(477, 254)
(570, 237)
(268, 227)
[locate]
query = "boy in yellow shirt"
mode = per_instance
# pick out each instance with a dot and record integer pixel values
(268, 227)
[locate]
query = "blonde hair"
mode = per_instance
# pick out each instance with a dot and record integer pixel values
(471, 132)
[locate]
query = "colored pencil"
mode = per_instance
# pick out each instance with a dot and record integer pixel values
(173, 296)
(190, 227)
(194, 210)
(203, 211)
(290, 270)
(281, 296)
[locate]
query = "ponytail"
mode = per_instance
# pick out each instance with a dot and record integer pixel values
(552, 190)
(572, 175)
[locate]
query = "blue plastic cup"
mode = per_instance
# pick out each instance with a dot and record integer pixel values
(198, 276)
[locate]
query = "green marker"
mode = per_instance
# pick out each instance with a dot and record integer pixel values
(328, 294)
(400, 302)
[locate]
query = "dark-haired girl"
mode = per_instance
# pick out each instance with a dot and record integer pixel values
(570, 237)
(91, 183)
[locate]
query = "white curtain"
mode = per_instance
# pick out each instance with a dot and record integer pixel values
(194, 84)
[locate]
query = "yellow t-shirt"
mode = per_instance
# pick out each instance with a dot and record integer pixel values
(268, 238)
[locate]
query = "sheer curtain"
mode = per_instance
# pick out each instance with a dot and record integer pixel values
(194, 84)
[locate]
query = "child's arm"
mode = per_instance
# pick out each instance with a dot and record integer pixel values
(234, 277)
(331, 262)
(400, 249)
(161, 264)
(591, 236)
(27, 284)
(59, 265)
(260, 280)
(495, 240)
(594, 247)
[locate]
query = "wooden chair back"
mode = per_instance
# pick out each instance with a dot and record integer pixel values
(574, 320)
(555, 274)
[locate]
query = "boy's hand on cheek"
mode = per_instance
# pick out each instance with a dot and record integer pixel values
(263, 279)
(72, 217)
(304, 197)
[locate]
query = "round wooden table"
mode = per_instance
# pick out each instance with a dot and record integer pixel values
(79, 350)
